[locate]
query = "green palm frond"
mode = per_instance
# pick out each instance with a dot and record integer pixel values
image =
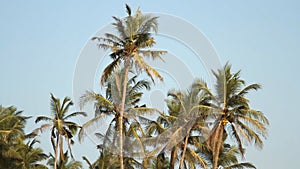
(248, 133)
(141, 111)
(196, 158)
(75, 114)
(258, 115)
(43, 118)
(248, 88)
(98, 99)
(67, 102)
(120, 27)
(54, 105)
(109, 70)
(142, 65)
(240, 166)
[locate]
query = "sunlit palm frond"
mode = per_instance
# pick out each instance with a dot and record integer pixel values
(142, 65)
(153, 54)
(98, 100)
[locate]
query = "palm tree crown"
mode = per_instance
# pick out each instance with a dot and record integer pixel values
(132, 43)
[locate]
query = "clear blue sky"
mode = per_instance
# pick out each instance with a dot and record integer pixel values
(40, 43)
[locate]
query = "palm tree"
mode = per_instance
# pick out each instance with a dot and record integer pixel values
(187, 114)
(60, 126)
(235, 115)
(107, 106)
(130, 47)
(12, 125)
(64, 164)
(29, 156)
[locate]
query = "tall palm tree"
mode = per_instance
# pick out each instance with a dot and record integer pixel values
(129, 47)
(235, 115)
(60, 125)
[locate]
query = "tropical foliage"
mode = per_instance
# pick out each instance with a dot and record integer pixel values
(14, 152)
(201, 127)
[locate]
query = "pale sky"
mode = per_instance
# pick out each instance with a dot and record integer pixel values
(41, 42)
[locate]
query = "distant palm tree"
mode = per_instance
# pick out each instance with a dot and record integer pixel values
(64, 164)
(60, 126)
(129, 47)
(235, 115)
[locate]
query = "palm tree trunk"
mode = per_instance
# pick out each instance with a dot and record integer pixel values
(56, 152)
(184, 150)
(61, 150)
(173, 157)
(126, 64)
(217, 145)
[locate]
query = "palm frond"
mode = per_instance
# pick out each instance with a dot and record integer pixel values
(75, 114)
(248, 88)
(128, 10)
(109, 70)
(250, 134)
(54, 105)
(85, 127)
(240, 166)
(120, 27)
(154, 54)
(43, 118)
(142, 65)
(238, 140)
(98, 100)
(67, 102)
(141, 111)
